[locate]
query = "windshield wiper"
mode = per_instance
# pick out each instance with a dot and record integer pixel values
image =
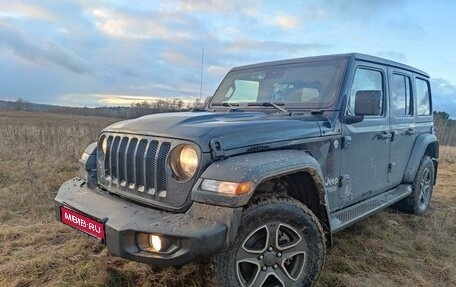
(276, 105)
(225, 104)
(232, 106)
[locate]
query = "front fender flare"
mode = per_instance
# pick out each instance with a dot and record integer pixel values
(256, 167)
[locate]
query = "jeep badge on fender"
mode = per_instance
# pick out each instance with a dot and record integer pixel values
(284, 155)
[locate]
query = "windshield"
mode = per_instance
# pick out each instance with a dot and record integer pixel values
(302, 85)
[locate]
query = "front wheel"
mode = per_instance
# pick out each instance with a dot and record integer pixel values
(280, 243)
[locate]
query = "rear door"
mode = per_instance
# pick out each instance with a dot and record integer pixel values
(402, 122)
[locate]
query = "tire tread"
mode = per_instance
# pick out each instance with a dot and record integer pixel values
(265, 201)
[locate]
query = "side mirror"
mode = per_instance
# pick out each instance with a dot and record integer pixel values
(348, 120)
(368, 103)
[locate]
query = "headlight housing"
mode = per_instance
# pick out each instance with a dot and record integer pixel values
(184, 162)
(88, 162)
(102, 146)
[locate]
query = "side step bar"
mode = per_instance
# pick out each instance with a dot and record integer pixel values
(349, 215)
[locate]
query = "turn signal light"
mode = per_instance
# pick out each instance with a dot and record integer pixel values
(227, 187)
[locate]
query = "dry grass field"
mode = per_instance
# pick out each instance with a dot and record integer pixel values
(39, 151)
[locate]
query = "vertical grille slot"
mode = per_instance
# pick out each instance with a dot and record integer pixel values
(140, 160)
(161, 166)
(107, 163)
(150, 166)
(114, 163)
(130, 167)
(121, 158)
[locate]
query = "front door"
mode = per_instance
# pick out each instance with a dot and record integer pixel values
(366, 145)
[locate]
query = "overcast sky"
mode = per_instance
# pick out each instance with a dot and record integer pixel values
(98, 53)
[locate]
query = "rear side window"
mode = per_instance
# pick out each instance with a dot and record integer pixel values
(401, 95)
(423, 97)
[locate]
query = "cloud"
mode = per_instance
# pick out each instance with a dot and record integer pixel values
(147, 25)
(112, 100)
(286, 21)
(444, 96)
(444, 86)
(270, 46)
(15, 9)
(40, 51)
(205, 6)
(153, 48)
(361, 9)
(219, 71)
(178, 59)
(103, 99)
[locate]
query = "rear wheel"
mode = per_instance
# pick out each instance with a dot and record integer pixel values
(279, 243)
(422, 187)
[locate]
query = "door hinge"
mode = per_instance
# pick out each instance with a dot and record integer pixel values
(345, 142)
(391, 166)
(345, 186)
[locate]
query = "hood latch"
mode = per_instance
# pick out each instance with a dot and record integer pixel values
(217, 149)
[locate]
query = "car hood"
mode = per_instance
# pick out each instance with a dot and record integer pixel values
(232, 129)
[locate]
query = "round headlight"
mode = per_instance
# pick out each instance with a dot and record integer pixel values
(184, 162)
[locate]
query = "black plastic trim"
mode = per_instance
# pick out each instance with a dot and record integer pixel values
(197, 236)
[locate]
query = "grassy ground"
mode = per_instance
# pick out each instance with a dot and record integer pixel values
(40, 151)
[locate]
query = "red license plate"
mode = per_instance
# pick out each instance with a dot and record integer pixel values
(82, 222)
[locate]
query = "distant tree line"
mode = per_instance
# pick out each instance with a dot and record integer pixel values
(133, 111)
(445, 128)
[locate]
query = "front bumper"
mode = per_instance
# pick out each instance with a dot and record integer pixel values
(195, 235)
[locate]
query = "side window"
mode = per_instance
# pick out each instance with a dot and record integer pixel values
(423, 97)
(400, 95)
(368, 81)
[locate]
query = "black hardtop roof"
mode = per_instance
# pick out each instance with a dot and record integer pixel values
(349, 56)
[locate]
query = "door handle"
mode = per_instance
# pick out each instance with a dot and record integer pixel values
(410, 132)
(385, 135)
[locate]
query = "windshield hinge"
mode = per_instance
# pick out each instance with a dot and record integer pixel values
(217, 149)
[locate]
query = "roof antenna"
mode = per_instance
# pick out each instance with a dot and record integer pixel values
(201, 82)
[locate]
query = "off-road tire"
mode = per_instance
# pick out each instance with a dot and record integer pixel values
(422, 187)
(298, 231)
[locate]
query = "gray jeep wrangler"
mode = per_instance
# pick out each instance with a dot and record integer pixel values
(284, 155)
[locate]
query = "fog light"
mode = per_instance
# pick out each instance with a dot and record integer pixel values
(156, 242)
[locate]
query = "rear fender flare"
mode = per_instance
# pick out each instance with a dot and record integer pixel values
(418, 151)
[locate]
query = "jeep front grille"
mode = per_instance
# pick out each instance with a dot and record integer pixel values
(136, 164)
(137, 167)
